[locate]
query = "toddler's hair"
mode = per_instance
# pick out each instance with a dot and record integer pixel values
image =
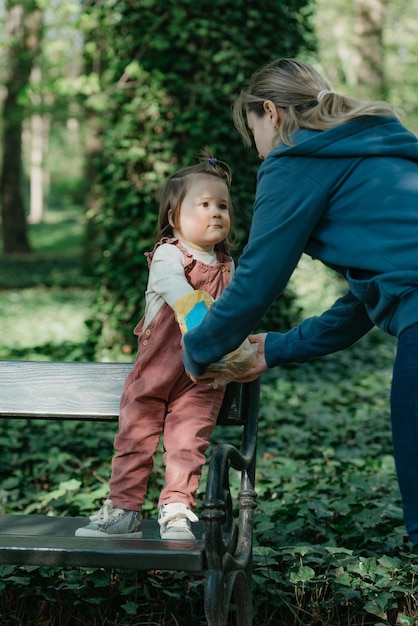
(176, 187)
(295, 86)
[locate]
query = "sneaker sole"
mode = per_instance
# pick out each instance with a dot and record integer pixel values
(173, 536)
(83, 532)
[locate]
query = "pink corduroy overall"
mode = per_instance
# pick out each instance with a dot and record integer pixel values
(158, 397)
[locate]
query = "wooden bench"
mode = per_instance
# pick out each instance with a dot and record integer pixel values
(223, 549)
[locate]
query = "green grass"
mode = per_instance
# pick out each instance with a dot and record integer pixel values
(46, 297)
(40, 321)
(60, 233)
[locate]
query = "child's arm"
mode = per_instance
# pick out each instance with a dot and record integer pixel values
(167, 278)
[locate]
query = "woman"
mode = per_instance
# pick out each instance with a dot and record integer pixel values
(339, 181)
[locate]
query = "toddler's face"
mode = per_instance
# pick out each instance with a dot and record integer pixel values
(204, 218)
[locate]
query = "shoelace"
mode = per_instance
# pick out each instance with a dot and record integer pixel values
(179, 516)
(104, 513)
(178, 521)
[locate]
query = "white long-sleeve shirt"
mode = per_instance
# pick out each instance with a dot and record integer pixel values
(167, 281)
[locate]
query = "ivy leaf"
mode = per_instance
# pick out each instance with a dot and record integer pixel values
(302, 574)
(130, 608)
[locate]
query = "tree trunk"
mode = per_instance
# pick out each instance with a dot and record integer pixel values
(23, 35)
(93, 146)
(368, 58)
(37, 145)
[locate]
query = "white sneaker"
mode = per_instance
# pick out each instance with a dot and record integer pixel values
(174, 520)
(110, 522)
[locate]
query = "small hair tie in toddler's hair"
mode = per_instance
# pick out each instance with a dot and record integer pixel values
(219, 167)
(322, 93)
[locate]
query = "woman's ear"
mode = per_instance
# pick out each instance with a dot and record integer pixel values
(272, 112)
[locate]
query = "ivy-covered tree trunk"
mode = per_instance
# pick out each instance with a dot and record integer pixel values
(172, 70)
(23, 35)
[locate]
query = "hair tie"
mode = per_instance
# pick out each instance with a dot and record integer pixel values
(322, 93)
(213, 161)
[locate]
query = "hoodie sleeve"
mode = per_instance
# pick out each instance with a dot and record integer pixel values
(286, 210)
(337, 328)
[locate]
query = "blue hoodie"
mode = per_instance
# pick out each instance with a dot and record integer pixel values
(347, 196)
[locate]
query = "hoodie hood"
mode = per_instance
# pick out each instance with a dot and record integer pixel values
(362, 137)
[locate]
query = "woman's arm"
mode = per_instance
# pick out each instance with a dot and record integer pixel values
(337, 328)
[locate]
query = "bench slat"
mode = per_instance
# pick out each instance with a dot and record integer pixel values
(74, 391)
(50, 541)
(88, 391)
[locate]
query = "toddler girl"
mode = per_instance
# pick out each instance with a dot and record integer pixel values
(191, 253)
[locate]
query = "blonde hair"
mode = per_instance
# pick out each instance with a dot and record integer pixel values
(176, 187)
(294, 86)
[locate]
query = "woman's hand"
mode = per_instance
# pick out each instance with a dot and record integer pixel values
(254, 372)
(204, 379)
(260, 360)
